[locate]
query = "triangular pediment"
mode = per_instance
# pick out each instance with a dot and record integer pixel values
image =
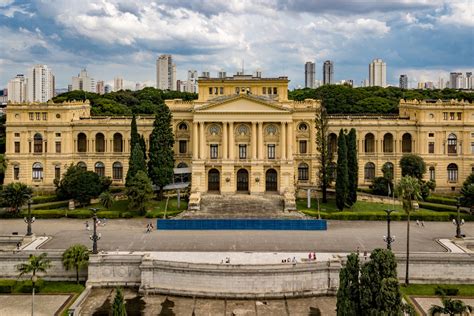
(242, 103)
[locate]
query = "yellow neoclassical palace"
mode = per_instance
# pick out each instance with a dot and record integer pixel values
(241, 134)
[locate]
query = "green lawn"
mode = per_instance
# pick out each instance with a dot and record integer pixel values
(51, 287)
(429, 289)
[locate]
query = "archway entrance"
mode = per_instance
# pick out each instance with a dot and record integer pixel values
(271, 180)
(242, 180)
(213, 180)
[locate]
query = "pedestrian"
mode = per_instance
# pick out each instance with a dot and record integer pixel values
(365, 255)
(87, 225)
(18, 245)
(314, 256)
(310, 256)
(422, 223)
(417, 223)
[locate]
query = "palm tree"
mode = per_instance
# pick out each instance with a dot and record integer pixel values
(408, 189)
(76, 257)
(35, 264)
(450, 307)
(16, 194)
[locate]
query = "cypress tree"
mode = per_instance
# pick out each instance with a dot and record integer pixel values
(136, 163)
(134, 136)
(353, 167)
(342, 173)
(348, 294)
(118, 307)
(161, 157)
(324, 156)
(143, 146)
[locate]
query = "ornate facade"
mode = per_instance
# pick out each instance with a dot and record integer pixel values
(241, 135)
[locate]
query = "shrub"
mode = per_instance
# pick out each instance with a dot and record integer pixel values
(81, 213)
(437, 207)
(108, 214)
(441, 200)
(446, 291)
(116, 189)
(128, 214)
(51, 205)
(44, 199)
(27, 286)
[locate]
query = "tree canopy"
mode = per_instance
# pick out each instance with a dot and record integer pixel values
(413, 166)
(15, 195)
(467, 191)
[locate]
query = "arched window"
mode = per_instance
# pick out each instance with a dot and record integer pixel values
(99, 143)
(117, 171)
(369, 143)
(369, 171)
(183, 126)
(406, 143)
(452, 172)
(37, 171)
(182, 165)
(332, 171)
(432, 173)
(82, 165)
(387, 170)
(38, 143)
(16, 172)
(81, 143)
(332, 143)
(388, 143)
(118, 145)
(100, 168)
(303, 171)
(452, 144)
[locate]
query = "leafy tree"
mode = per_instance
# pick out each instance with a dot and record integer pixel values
(353, 167)
(75, 257)
(324, 156)
(139, 191)
(136, 163)
(161, 162)
(413, 165)
(35, 264)
(348, 294)
(408, 189)
(467, 191)
(15, 195)
(118, 307)
(451, 307)
(106, 199)
(381, 185)
(342, 179)
(81, 185)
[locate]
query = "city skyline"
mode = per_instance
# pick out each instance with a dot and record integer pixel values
(212, 37)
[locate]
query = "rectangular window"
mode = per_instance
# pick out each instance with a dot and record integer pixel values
(432, 174)
(17, 134)
(221, 90)
(445, 116)
(216, 90)
(242, 151)
(303, 145)
(183, 146)
(275, 91)
(472, 135)
(58, 134)
(16, 173)
(58, 147)
(271, 151)
(430, 134)
(45, 116)
(459, 116)
(38, 116)
(451, 116)
(472, 148)
(31, 115)
(210, 90)
(431, 146)
(57, 172)
(214, 151)
(17, 147)
(264, 90)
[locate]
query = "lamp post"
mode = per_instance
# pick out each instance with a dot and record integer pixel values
(29, 220)
(94, 237)
(389, 239)
(458, 221)
(34, 278)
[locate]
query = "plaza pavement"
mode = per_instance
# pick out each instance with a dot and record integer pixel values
(341, 236)
(20, 304)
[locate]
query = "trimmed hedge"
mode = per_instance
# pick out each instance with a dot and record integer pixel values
(44, 199)
(437, 207)
(441, 200)
(51, 205)
(398, 216)
(108, 214)
(161, 214)
(25, 286)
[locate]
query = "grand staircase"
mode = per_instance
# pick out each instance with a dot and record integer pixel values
(216, 206)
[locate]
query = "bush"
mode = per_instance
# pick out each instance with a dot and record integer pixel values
(51, 205)
(161, 214)
(6, 286)
(108, 214)
(441, 200)
(27, 286)
(44, 199)
(116, 189)
(365, 190)
(437, 207)
(128, 214)
(80, 213)
(446, 291)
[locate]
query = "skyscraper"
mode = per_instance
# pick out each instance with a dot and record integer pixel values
(191, 84)
(403, 82)
(165, 73)
(309, 75)
(118, 83)
(454, 80)
(328, 72)
(17, 89)
(83, 82)
(40, 87)
(468, 80)
(378, 73)
(100, 87)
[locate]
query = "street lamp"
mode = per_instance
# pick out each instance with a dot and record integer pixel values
(389, 239)
(29, 220)
(458, 221)
(34, 278)
(94, 237)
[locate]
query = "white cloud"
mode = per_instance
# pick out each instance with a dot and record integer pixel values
(459, 13)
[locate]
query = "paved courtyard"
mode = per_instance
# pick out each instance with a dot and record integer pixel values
(341, 236)
(20, 305)
(424, 303)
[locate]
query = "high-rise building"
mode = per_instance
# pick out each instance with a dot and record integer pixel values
(468, 80)
(40, 87)
(328, 72)
(403, 82)
(17, 92)
(165, 73)
(83, 82)
(454, 81)
(191, 84)
(118, 83)
(378, 73)
(107, 88)
(441, 84)
(100, 87)
(309, 75)
(429, 85)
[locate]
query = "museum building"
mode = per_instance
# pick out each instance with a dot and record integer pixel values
(242, 135)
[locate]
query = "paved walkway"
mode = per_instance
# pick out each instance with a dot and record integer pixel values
(341, 236)
(425, 303)
(20, 305)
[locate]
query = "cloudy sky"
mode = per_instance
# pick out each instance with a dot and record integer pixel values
(422, 38)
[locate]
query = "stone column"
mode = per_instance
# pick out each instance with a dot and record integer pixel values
(254, 141)
(231, 140)
(224, 140)
(202, 151)
(195, 141)
(283, 141)
(260, 140)
(290, 141)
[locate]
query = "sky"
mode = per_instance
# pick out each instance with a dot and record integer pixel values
(424, 39)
